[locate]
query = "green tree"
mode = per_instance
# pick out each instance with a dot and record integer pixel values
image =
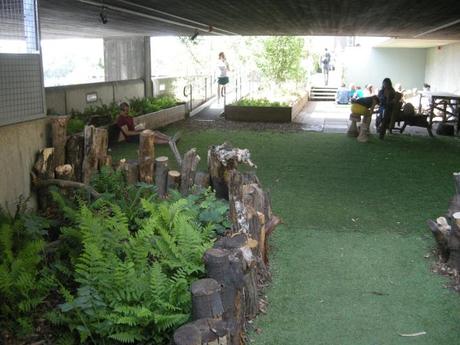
(281, 58)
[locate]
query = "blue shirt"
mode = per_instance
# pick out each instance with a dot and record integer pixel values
(342, 96)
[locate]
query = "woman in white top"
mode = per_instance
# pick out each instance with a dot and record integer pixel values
(222, 79)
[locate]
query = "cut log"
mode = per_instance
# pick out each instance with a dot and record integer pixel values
(130, 169)
(188, 171)
(212, 331)
(250, 289)
(175, 151)
(161, 175)
(222, 159)
(226, 267)
(75, 149)
(202, 180)
(441, 238)
(66, 184)
(90, 161)
(59, 138)
(64, 172)
(108, 161)
(454, 204)
(44, 164)
(102, 145)
(235, 201)
(453, 242)
(173, 179)
(206, 300)
(43, 169)
(146, 155)
(187, 335)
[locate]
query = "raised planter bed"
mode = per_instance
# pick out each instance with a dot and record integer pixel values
(162, 117)
(265, 114)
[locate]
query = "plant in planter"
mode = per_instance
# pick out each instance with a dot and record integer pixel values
(260, 102)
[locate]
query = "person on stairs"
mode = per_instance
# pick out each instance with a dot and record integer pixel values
(364, 107)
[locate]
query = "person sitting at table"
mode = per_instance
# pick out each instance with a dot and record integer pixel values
(130, 133)
(342, 94)
(362, 107)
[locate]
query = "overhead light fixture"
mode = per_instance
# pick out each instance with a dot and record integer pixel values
(103, 15)
(195, 35)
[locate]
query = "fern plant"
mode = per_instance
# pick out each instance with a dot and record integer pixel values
(133, 287)
(25, 281)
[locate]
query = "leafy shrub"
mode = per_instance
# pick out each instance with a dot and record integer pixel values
(25, 281)
(140, 106)
(261, 102)
(75, 125)
(134, 287)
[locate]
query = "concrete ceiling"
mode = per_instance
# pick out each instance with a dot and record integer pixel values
(392, 18)
(414, 43)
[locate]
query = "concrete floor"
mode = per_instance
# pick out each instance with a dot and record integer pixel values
(329, 117)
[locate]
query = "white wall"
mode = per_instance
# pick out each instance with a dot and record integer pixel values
(371, 65)
(443, 68)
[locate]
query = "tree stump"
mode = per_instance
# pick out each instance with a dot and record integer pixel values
(102, 145)
(188, 171)
(235, 201)
(212, 331)
(146, 155)
(250, 293)
(64, 172)
(59, 138)
(227, 269)
(202, 180)
(173, 179)
(43, 169)
(91, 159)
(187, 335)
(453, 242)
(206, 301)
(130, 169)
(75, 149)
(161, 175)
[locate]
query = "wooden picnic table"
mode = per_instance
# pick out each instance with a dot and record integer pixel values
(446, 105)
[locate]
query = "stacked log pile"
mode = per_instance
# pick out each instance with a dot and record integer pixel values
(236, 266)
(446, 230)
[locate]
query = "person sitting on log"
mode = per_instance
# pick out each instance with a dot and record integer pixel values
(130, 133)
(364, 107)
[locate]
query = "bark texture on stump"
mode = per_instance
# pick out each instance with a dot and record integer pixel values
(75, 149)
(221, 160)
(91, 159)
(202, 180)
(212, 331)
(245, 244)
(146, 155)
(59, 138)
(102, 145)
(173, 179)
(43, 169)
(64, 172)
(130, 169)
(206, 300)
(226, 268)
(161, 175)
(188, 171)
(187, 335)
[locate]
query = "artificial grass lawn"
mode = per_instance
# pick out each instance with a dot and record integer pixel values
(348, 265)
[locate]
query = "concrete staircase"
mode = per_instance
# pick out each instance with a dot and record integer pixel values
(322, 93)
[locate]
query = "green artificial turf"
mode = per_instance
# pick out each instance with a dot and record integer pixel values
(349, 264)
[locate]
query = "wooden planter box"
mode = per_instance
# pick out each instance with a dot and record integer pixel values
(162, 117)
(265, 114)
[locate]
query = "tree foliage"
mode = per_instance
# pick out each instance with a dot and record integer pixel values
(281, 58)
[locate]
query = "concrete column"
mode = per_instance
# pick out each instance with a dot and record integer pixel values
(147, 68)
(124, 58)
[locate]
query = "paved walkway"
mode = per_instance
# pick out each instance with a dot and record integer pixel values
(329, 117)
